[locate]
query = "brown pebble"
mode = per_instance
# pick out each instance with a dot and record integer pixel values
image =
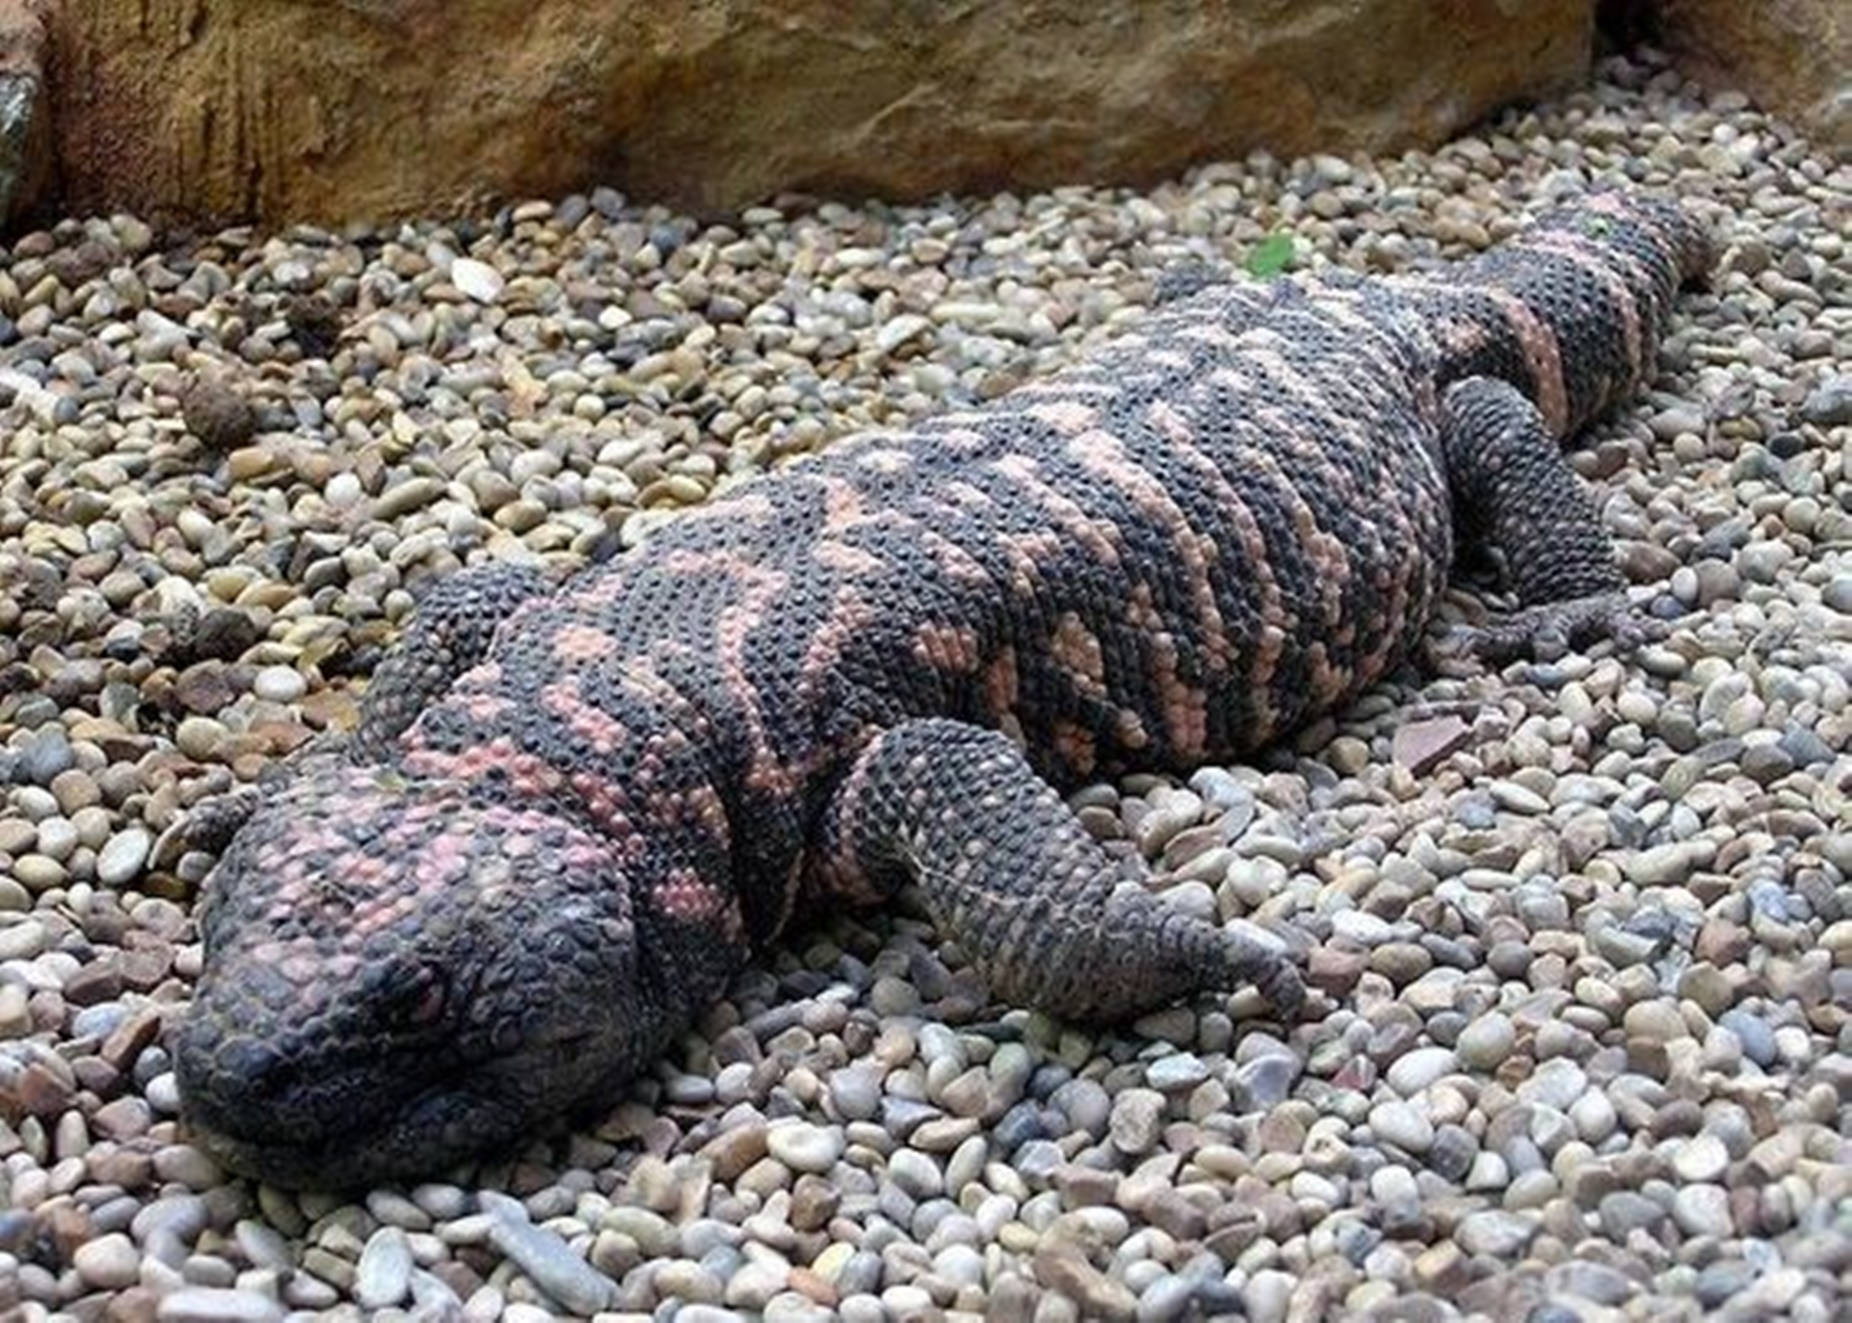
(1172, 1212)
(1648, 1057)
(1085, 1187)
(314, 324)
(1232, 1236)
(40, 1091)
(463, 1280)
(205, 688)
(1335, 971)
(67, 1224)
(217, 415)
(1401, 962)
(143, 969)
(49, 1011)
(1747, 1211)
(813, 1202)
(127, 1165)
(125, 1118)
(137, 1304)
(97, 981)
(732, 1151)
(1721, 942)
(812, 1287)
(1420, 746)
(1588, 1182)
(97, 1075)
(1065, 1268)
(1280, 1132)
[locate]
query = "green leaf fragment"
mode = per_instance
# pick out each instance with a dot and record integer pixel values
(1270, 256)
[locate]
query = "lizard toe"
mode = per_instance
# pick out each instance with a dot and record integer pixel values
(1548, 632)
(1284, 989)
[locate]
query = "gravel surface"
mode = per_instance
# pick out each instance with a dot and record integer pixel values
(1587, 924)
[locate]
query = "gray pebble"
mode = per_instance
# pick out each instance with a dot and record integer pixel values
(1700, 1160)
(1179, 1070)
(1266, 1081)
(1556, 1084)
(1753, 1033)
(1495, 1234)
(199, 1304)
(1137, 1119)
(383, 1275)
(1829, 404)
(121, 858)
(1623, 1212)
(1703, 1210)
(1414, 1071)
(555, 1269)
(107, 1263)
(805, 1147)
(1485, 1043)
(46, 754)
(1591, 1281)
(1403, 1125)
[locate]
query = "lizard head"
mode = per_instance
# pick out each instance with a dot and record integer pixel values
(398, 976)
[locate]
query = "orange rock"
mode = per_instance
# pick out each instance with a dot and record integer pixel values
(1793, 57)
(276, 110)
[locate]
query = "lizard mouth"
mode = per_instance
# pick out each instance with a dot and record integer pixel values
(435, 1130)
(367, 1127)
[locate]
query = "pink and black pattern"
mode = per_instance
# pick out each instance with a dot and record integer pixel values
(570, 816)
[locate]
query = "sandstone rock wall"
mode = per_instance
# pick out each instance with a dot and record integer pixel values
(1794, 57)
(25, 131)
(276, 110)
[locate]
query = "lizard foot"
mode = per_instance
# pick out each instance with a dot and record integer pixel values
(1548, 631)
(1260, 962)
(1284, 988)
(208, 826)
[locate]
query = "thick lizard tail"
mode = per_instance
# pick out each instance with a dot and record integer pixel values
(1572, 310)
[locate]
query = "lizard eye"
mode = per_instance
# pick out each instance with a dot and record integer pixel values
(423, 1002)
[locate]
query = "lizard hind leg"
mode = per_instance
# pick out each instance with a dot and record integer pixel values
(1515, 496)
(1007, 871)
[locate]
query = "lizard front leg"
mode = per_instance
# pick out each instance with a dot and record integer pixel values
(450, 632)
(1513, 492)
(1007, 871)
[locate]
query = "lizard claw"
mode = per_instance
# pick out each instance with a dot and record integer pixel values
(207, 827)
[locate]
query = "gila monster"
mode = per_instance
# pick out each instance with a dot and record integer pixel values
(570, 814)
